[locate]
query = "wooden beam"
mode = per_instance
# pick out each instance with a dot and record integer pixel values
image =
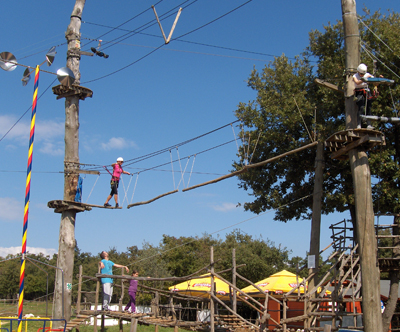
(349, 147)
(82, 171)
(152, 200)
(234, 313)
(328, 85)
(245, 168)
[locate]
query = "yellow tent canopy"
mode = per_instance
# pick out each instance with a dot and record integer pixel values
(201, 287)
(279, 283)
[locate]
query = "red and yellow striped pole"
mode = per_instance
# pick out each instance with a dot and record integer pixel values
(26, 209)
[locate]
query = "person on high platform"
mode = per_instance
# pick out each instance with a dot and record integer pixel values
(362, 93)
(117, 171)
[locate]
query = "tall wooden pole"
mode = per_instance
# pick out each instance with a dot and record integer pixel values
(66, 244)
(364, 223)
(212, 307)
(234, 298)
(316, 215)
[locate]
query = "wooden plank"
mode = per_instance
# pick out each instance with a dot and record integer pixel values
(328, 85)
(59, 206)
(82, 171)
(245, 168)
(93, 205)
(349, 147)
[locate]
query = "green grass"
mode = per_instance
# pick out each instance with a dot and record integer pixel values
(39, 309)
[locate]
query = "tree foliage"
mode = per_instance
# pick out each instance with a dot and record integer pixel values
(290, 106)
(172, 257)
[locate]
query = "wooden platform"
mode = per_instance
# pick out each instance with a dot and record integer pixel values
(142, 318)
(63, 91)
(342, 142)
(79, 320)
(60, 206)
(231, 322)
(388, 264)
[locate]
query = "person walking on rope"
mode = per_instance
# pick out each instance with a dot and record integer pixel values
(115, 176)
(133, 284)
(106, 268)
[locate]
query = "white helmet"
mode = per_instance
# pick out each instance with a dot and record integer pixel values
(362, 69)
(120, 159)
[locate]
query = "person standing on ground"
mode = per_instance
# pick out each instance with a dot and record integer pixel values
(133, 284)
(106, 268)
(115, 176)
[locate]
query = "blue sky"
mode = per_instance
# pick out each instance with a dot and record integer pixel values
(182, 90)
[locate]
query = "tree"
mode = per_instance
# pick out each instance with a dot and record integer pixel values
(261, 257)
(9, 278)
(284, 90)
(186, 255)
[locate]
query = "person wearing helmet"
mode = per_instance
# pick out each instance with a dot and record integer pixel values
(115, 176)
(362, 93)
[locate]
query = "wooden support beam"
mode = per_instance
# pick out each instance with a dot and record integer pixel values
(153, 199)
(245, 168)
(231, 311)
(349, 147)
(328, 85)
(83, 171)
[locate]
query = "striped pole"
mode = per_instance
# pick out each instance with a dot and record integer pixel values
(26, 210)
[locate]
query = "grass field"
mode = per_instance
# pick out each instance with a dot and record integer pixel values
(39, 309)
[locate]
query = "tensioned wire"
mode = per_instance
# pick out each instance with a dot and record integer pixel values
(167, 149)
(185, 34)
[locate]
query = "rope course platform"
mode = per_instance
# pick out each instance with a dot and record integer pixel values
(142, 319)
(78, 320)
(63, 91)
(59, 206)
(387, 264)
(342, 142)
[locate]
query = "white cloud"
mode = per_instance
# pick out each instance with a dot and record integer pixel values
(117, 143)
(52, 149)
(17, 250)
(11, 209)
(20, 131)
(49, 134)
(224, 207)
(50, 129)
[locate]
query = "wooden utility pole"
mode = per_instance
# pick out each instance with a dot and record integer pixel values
(234, 297)
(364, 223)
(72, 94)
(316, 214)
(212, 290)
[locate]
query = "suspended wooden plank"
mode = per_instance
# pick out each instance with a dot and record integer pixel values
(93, 205)
(60, 205)
(245, 168)
(152, 200)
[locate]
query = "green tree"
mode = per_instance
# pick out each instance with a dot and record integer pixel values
(9, 277)
(284, 90)
(261, 257)
(186, 255)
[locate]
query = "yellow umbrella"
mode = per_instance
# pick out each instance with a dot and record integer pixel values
(279, 283)
(201, 287)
